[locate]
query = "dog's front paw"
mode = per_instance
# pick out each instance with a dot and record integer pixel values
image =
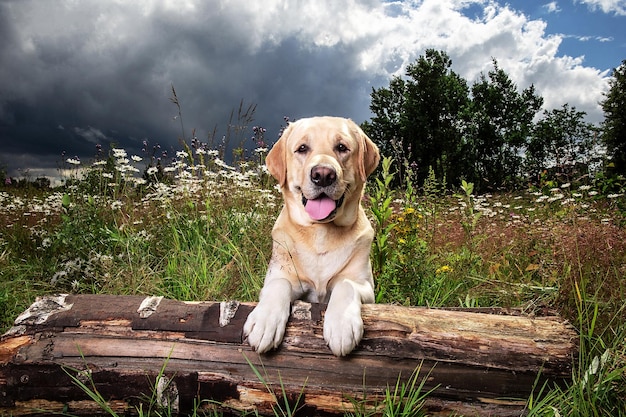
(343, 329)
(265, 326)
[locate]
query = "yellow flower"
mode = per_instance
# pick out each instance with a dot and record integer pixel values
(409, 210)
(443, 269)
(401, 241)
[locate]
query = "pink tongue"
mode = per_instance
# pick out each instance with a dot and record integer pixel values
(320, 208)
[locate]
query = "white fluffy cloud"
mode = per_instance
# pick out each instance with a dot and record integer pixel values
(608, 6)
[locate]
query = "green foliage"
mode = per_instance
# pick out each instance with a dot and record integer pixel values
(205, 256)
(614, 125)
(470, 217)
(405, 398)
(385, 127)
(418, 119)
(561, 146)
(485, 133)
(598, 386)
(501, 123)
(436, 99)
(282, 406)
(381, 199)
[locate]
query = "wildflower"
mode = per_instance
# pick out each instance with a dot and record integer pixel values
(72, 161)
(592, 193)
(443, 270)
(181, 154)
(136, 158)
(99, 163)
(107, 175)
(222, 164)
(152, 171)
(260, 150)
(566, 185)
(119, 153)
(116, 205)
(584, 187)
(614, 195)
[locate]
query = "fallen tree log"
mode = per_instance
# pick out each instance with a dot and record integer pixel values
(141, 352)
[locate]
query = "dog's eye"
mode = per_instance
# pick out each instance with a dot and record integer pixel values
(302, 149)
(341, 148)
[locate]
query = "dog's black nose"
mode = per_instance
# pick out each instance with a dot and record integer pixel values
(323, 176)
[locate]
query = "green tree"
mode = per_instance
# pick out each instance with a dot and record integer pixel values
(436, 98)
(502, 121)
(387, 105)
(431, 121)
(417, 120)
(562, 142)
(614, 126)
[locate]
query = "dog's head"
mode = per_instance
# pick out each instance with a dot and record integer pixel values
(322, 163)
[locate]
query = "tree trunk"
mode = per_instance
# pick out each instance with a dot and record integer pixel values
(148, 352)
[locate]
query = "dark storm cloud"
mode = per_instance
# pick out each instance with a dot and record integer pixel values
(73, 92)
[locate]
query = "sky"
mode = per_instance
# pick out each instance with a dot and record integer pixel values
(77, 74)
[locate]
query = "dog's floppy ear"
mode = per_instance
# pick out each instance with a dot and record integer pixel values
(369, 156)
(276, 159)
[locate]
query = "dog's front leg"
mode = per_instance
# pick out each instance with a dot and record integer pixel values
(343, 325)
(265, 326)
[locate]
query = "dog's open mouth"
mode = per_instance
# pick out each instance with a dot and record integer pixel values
(321, 208)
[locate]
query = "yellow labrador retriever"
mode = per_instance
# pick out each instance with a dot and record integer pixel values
(322, 237)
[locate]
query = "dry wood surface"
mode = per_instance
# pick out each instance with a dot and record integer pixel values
(482, 362)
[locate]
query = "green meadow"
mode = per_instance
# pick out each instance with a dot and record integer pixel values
(199, 229)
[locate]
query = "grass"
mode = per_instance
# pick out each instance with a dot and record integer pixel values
(199, 229)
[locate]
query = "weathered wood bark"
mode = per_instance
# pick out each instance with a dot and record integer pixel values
(481, 362)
